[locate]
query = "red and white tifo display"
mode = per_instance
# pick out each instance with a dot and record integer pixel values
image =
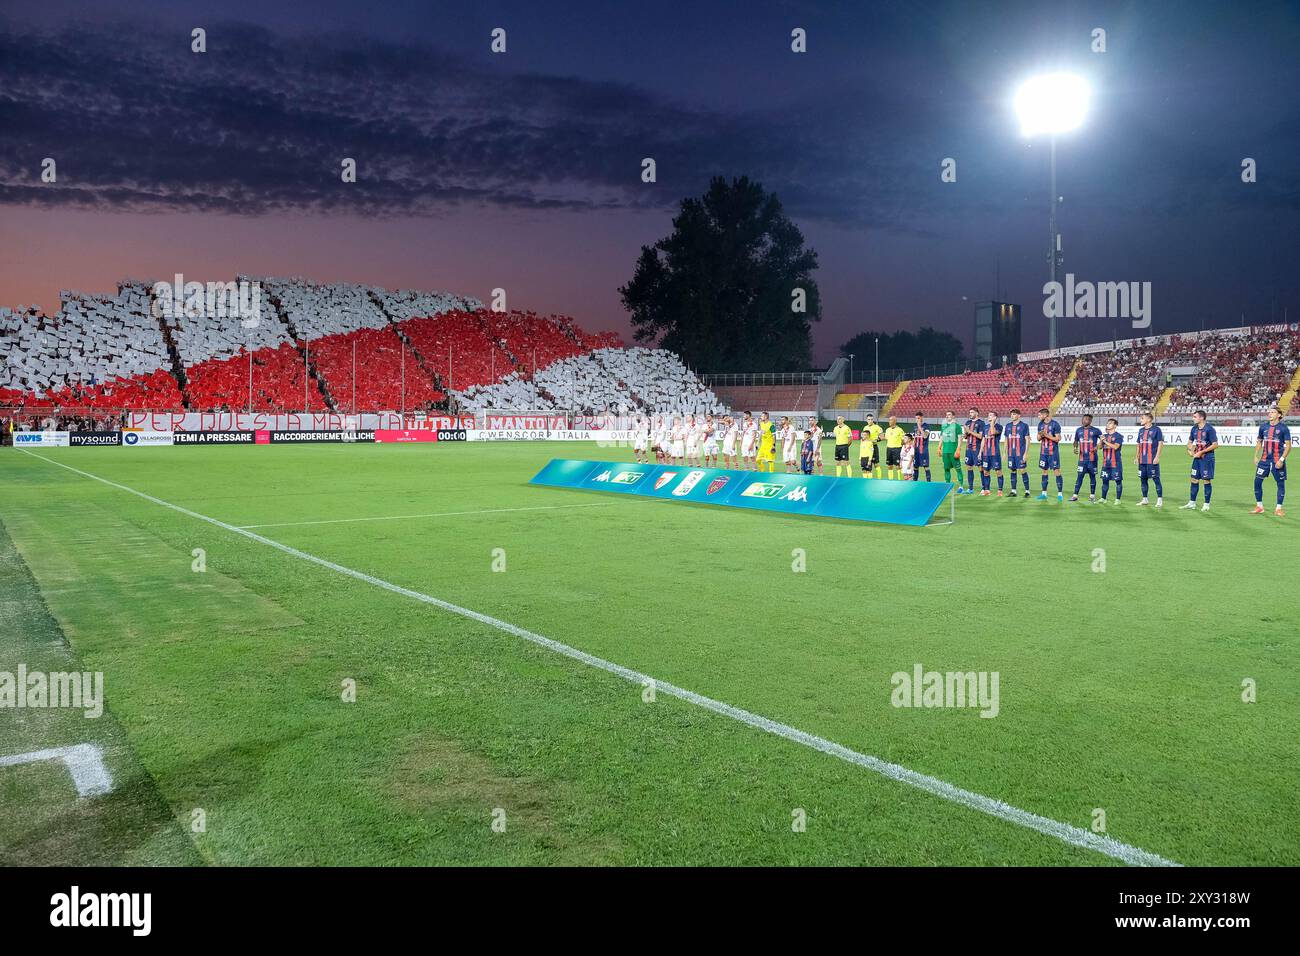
(323, 348)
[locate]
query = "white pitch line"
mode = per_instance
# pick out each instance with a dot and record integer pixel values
(1065, 832)
(84, 761)
(436, 514)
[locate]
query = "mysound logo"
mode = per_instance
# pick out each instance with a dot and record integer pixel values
(133, 910)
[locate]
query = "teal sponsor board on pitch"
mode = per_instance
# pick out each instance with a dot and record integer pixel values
(855, 499)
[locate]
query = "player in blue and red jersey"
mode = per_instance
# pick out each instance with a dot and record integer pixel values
(1086, 437)
(1272, 446)
(1112, 462)
(1017, 433)
(1201, 444)
(1049, 452)
(991, 454)
(1150, 441)
(972, 432)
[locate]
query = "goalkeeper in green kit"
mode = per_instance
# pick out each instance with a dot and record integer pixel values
(950, 437)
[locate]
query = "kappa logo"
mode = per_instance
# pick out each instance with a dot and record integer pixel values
(628, 477)
(663, 479)
(690, 481)
(762, 489)
(799, 493)
(716, 485)
(603, 476)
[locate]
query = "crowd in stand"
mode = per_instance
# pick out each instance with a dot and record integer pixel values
(1226, 374)
(347, 346)
(89, 341)
(317, 347)
(1246, 374)
(1110, 383)
(608, 378)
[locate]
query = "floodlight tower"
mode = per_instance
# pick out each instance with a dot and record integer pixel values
(1053, 103)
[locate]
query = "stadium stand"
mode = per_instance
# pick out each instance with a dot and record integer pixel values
(89, 342)
(387, 374)
(132, 351)
(607, 379)
(786, 398)
(1026, 386)
(281, 381)
(338, 346)
(533, 342)
(456, 347)
(1234, 373)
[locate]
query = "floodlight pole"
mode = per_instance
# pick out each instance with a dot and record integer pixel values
(1053, 246)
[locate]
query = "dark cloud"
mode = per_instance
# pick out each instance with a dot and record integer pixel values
(260, 123)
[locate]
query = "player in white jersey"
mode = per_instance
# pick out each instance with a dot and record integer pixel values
(816, 429)
(789, 446)
(657, 437)
(691, 433)
(748, 441)
(729, 434)
(641, 441)
(710, 442)
(677, 441)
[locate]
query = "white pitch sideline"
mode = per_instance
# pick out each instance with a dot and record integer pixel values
(1065, 832)
(435, 514)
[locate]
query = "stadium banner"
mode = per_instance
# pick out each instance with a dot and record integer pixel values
(212, 438)
(286, 422)
(41, 439)
(886, 502)
(134, 437)
(404, 435)
(610, 437)
(94, 439)
(324, 437)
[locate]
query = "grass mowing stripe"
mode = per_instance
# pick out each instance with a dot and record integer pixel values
(1066, 833)
(436, 514)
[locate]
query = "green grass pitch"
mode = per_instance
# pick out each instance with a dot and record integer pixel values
(226, 732)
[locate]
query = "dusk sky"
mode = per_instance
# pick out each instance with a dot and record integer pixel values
(522, 170)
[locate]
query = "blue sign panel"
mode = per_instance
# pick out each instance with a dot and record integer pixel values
(856, 499)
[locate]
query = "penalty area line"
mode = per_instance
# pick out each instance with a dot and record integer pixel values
(1064, 832)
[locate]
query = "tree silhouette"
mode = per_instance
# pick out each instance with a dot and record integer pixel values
(724, 290)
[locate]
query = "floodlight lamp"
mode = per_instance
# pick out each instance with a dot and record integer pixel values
(1052, 103)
